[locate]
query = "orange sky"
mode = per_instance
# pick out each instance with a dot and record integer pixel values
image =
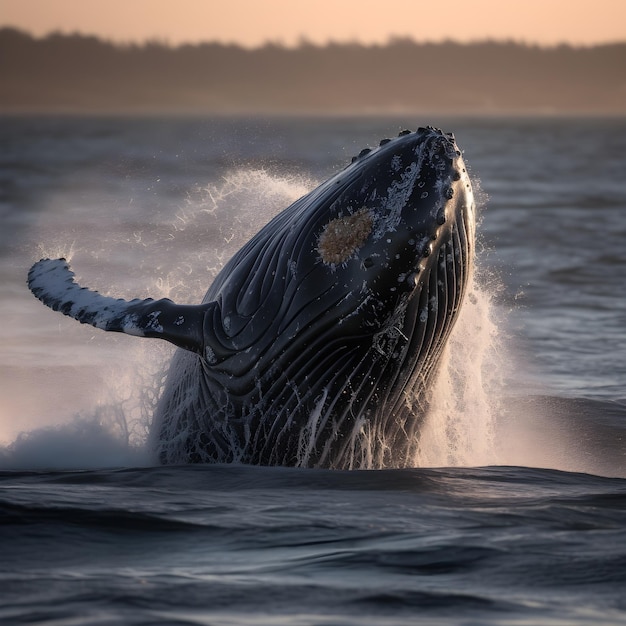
(253, 22)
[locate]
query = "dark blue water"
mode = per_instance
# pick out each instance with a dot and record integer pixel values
(246, 545)
(517, 513)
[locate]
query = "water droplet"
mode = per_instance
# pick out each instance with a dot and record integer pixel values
(411, 279)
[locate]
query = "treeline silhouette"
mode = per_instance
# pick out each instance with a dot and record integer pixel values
(79, 74)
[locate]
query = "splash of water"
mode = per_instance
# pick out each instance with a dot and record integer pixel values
(215, 221)
(466, 399)
(477, 417)
(460, 429)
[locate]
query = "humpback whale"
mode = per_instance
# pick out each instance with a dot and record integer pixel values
(317, 342)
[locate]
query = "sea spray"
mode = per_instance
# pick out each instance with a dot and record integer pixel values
(466, 398)
(181, 254)
(217, 220)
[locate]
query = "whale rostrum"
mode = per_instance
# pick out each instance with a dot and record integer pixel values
(317, 343)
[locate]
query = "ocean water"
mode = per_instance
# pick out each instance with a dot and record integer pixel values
(515, 512)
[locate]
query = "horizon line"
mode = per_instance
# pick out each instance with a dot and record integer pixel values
(304, 42)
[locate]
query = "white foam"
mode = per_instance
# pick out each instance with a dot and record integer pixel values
(467, 395)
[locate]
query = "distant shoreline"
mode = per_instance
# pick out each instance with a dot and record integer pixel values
(78, 75)
(304, 42)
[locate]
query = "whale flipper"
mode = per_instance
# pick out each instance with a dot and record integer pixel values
(52, 281)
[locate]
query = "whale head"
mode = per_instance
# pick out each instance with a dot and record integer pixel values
(397, 214)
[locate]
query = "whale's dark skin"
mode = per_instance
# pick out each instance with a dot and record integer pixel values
(318, 341)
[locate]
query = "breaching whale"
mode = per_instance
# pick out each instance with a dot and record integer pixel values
(317, 342)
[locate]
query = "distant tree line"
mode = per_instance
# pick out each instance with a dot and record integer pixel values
(75, 73)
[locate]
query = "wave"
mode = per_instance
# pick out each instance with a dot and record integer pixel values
(225, 544)
(214, 495)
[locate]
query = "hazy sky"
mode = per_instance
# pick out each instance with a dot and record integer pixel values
(253, 22)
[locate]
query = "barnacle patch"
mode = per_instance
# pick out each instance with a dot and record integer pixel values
(343, 236)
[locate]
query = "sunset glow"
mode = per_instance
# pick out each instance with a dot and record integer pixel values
(252, 23)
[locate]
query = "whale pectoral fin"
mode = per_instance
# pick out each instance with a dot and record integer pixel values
(52, 281)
